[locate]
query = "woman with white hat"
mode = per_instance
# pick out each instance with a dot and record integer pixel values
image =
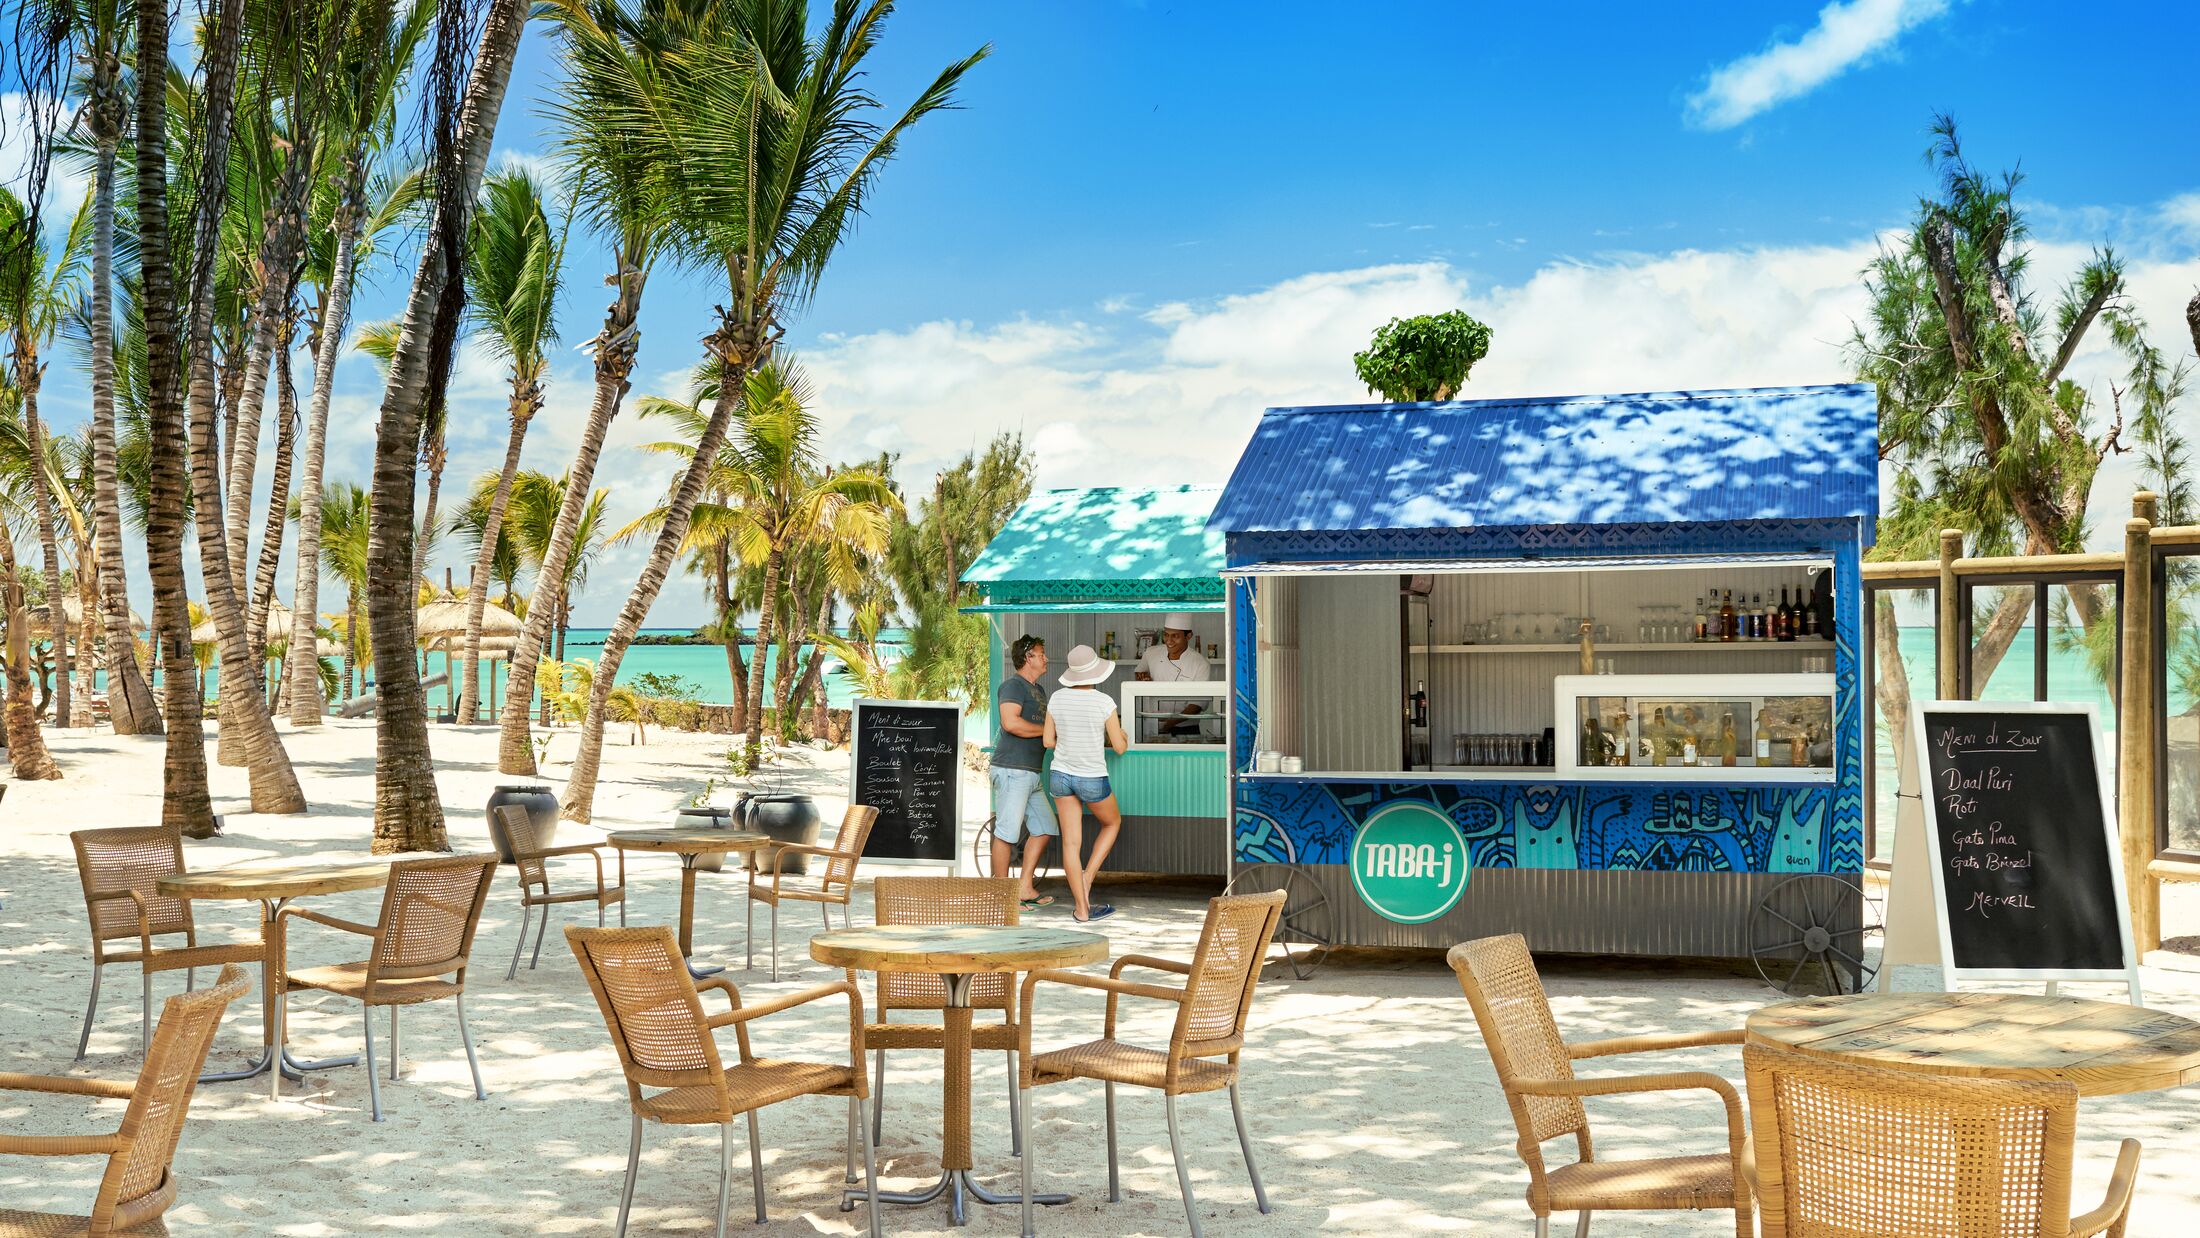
(1081, 725)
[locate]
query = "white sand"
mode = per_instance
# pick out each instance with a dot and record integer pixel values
(1373, 1106)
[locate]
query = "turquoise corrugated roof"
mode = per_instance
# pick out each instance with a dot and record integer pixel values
(1770, 453)
(1106, 534)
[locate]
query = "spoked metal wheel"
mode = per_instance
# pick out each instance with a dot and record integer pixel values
(1807, 936)
(1307, 918)
(981, 846)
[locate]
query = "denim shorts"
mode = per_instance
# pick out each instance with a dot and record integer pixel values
(1019, 807)
(1087, 790)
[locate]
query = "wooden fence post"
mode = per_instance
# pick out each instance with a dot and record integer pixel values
(2136, 726)
(1947, 636)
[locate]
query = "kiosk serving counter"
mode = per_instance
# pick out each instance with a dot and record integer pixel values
(1105, 567)
(1580, 668)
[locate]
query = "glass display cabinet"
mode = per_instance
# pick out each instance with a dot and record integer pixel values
(1175, 715)
(1776, 726)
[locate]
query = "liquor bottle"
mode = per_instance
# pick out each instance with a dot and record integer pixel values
(1703, 625)
(1726, 616)
(1729, 743)
(1810, 622)
(1763, 617)
(1420, 703)
(1688, 749)
(1795, 616)
(1780, 616)
(1764, 741)
(1107, 647)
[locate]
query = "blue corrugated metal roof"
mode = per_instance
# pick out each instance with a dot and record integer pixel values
(1770, 453)
(1106, 534)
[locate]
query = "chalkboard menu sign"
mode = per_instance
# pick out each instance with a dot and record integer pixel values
(908, 765)
(2027, 870)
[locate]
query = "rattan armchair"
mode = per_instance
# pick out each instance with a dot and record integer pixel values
(528, 856)
(654, 1011)
(1845, 1148)
(419, 951)
(1212, 1006)
(1535, 1069)
(836, 885)
(942, 900)
(120, 870)
(138, 1185)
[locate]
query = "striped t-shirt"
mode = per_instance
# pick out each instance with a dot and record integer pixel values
(1080, 731)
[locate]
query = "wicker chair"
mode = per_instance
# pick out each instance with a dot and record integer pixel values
(1535, 1068)
(1844, 1148)
(420, 945)
(138, 1185)
(1211, 1010)
(942, 900)
(835, 886)
(120, 870)
(655, 1013)
(534, 881)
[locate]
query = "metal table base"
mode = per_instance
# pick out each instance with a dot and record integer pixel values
(293, 1068)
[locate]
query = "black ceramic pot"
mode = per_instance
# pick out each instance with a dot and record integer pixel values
(786, 819)
(541, 804)
(706, 819)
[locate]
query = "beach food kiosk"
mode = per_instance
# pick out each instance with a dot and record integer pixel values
(1583, 668)
(1108, 567)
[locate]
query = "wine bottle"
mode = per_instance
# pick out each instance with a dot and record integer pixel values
(1726, 616)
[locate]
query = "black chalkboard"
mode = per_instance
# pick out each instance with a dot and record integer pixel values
(2021, 841)
(908, 765)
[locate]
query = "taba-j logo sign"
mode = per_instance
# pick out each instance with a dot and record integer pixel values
(1409, 863)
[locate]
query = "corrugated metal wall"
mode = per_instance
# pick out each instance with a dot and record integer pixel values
(1276, 607)
(1348, 673)
(1573, 911)
(1184, 846)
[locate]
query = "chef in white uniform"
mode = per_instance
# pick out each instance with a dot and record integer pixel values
(1177, 657)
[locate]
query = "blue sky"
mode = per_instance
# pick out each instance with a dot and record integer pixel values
(1148, 221)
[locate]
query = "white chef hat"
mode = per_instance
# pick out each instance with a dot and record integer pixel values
(1177, 621)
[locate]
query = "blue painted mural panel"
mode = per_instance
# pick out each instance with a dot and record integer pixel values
(1631, 826)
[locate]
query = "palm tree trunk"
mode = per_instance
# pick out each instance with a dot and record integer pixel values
(28, 371)
(351, 643)
(129, 699)
(278, 508)
(729, 631)
(270, 318)
(477, 594)
(433, 455)
(408, 811)
(26, 747)
(753, 739)
(244, 714)
(615, 347)
(580, 785)
(87, 597)
(305, 596)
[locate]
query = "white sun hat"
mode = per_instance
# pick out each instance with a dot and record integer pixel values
(1085, 667)
(1177, 621)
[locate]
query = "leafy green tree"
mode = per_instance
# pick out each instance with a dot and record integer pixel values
(970, 501)
(1426, 357)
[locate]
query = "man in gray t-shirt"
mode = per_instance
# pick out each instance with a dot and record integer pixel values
(1021, 810)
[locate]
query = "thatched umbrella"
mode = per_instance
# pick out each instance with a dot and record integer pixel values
(434, 624)
(72, 613)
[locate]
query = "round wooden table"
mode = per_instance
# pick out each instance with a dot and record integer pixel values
(689, 844)
(955, 953)
(273, 884)
(2106, 1048)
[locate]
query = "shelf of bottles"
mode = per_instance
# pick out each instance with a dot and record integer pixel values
(1777, 726)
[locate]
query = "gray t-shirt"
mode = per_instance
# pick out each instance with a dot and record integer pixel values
(1019, 751)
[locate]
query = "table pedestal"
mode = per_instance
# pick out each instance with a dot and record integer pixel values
(290, 1067)
(955, 1180)
(687, 917)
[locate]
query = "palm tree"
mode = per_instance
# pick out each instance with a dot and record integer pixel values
(470, 521)
(33, 300)
(408, 811)
(344, 555)
(612, 53)
(512, 270)
(761, 169)
(375, 57)
(27, 751)
(245, 719)
(531, 521)
(100, 34)
(186, 803)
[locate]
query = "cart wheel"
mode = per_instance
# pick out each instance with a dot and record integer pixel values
(1306, 919)
(1807, 936)
(981, 846)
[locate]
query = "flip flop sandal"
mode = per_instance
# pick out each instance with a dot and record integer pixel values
(1100, 911)
(1033, 904)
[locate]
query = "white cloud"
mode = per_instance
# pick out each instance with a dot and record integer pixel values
(65, 186)
(1848, 33)
(2183, 212)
